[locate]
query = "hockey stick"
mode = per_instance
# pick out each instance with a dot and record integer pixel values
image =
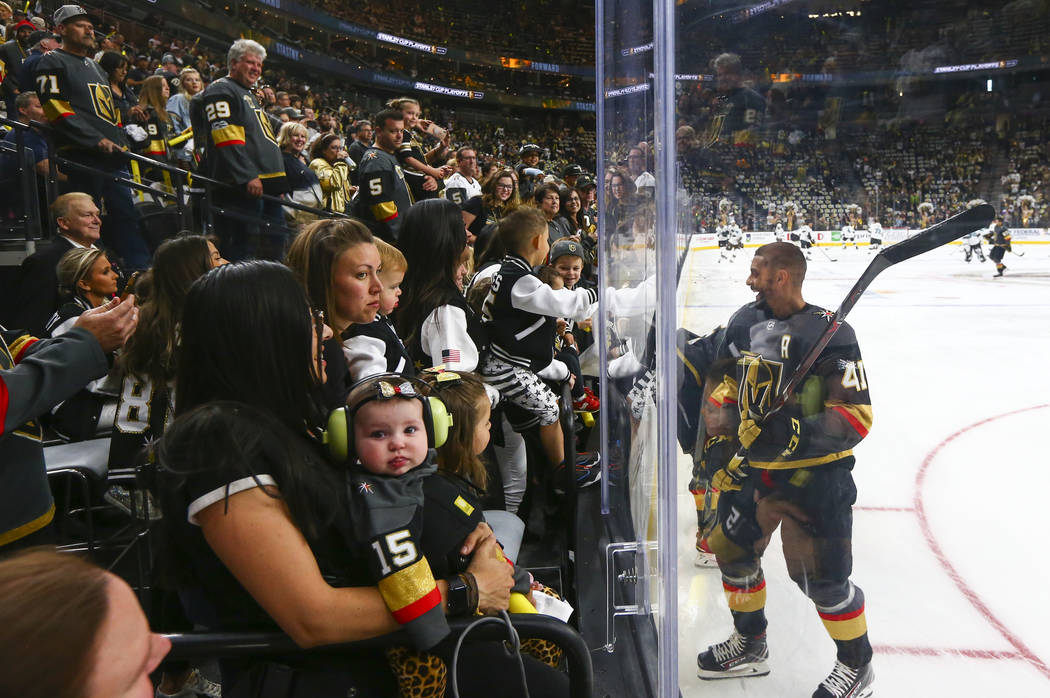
(826, 253)
(923, 241)
(1019, 253)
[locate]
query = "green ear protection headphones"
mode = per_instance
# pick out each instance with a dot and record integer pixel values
(339, 435)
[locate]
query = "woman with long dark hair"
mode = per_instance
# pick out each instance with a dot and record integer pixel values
(259, 522)
(148, 361)
(499, 197)
(433, 319)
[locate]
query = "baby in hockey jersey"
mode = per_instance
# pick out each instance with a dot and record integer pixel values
(390, 456)
(375, 347)
(521, 315)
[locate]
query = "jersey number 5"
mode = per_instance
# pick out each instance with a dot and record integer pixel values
(375, 186)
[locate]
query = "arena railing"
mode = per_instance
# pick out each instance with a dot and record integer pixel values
(25, 174)
(199, 646)
(188, 188)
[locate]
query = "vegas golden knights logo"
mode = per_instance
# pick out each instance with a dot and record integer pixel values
(102, 101)
(264, 124)
(759, 383)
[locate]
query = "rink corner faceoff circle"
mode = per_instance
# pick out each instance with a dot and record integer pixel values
(964, 588)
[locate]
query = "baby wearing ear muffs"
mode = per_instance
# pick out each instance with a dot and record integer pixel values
(387, 434)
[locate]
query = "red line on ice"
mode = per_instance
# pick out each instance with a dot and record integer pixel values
(945, 651)
(920, 480)
(903, 509)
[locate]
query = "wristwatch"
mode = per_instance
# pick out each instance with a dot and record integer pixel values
(458, 596)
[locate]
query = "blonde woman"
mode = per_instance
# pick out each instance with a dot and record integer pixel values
(86, 280)
(178, 108)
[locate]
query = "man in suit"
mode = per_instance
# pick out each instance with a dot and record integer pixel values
(36, 290)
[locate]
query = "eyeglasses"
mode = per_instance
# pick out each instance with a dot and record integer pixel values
(504, 186)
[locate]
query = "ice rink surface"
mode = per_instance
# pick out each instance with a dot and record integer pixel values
(949, 526)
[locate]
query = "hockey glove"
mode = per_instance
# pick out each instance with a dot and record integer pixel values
(779, 429)
(731, 477)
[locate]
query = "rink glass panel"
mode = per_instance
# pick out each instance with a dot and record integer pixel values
(834, 116)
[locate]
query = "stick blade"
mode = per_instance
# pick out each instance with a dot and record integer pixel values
(944, 232)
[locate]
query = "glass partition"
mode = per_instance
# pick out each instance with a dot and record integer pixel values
(838, 129)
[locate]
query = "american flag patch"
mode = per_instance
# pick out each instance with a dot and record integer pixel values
(449, 356)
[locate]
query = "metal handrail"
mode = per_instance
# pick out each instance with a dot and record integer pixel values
(191, 646)
(182, 180)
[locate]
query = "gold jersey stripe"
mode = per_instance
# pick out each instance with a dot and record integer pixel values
(801, 463)
(57, 109)
(385, 211)
(27, 528)
(405, 586)
(228, 135)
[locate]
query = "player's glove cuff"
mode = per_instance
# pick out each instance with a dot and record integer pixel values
(781, 430)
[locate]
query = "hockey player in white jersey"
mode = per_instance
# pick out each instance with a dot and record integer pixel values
(778, 233)
(736, 241)
(722, 235)
(971, 244)
(805, 236)
(874, 235)
(849, 235)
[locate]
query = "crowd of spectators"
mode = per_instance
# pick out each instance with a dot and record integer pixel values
(507, 29)
(163, 346)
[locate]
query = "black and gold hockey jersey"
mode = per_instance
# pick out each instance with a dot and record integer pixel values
(234, 138)
(144, 410)
(838, 419)
(383, 197)
(77, 100)
(520, 314)
(388, 513)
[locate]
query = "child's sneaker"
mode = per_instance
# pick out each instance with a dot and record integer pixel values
(588, 403)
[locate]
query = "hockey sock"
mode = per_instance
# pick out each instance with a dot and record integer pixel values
(848, 627)
(747, 602)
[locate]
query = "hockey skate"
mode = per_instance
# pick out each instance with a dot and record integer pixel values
(740, 656)
(846, 682)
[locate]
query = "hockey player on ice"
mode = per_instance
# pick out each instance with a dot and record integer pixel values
(736, 241)
(722, 235)
(849, 235)
(805, 234)
(874, 235)
(971, 244)
(778, 233)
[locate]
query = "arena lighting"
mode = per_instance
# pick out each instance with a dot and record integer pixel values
(969, 67)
